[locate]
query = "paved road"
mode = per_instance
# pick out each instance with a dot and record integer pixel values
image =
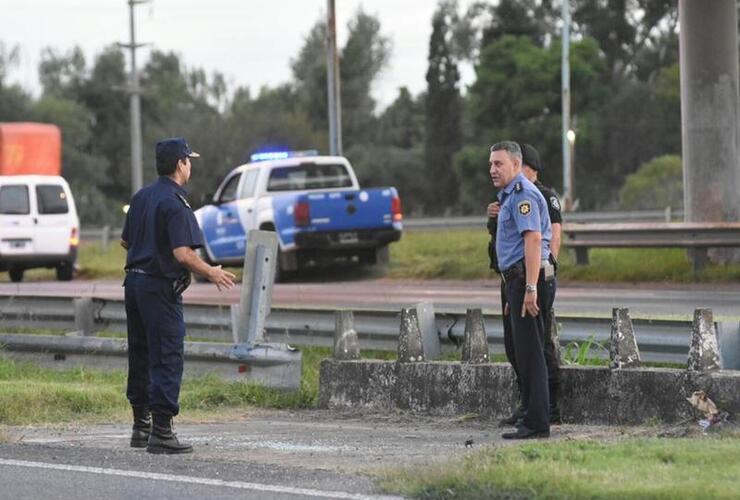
(263, 455)
(677, 301)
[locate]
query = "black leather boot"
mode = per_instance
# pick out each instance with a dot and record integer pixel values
(554, 407)
(142, 427)
(162, 440)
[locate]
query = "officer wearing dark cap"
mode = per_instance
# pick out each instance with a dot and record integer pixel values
(531, 165)
(522, 248)
(161, 234)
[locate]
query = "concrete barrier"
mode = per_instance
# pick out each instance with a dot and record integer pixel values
(591, 395)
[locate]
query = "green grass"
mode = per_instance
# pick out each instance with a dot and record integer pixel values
(31, 395)
(651, 468)
(457, 254)
(462, 254)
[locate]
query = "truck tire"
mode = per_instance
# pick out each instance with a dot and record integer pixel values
(65, 271)
(16, 274)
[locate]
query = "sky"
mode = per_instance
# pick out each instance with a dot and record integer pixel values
(252, 42)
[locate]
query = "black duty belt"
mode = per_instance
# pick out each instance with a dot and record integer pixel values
(517, 270)
(137, 271)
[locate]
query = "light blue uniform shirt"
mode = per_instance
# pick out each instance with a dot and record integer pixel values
(523, 208)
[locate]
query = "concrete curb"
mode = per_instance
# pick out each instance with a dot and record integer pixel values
(589, 395)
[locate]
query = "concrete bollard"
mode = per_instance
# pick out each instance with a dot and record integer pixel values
(346, 345)
(623, 351)
(429, 333)
(84, 316)
(475, 343)
(410, 348)
(703, 351)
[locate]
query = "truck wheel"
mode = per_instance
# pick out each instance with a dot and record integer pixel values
(16, 274)
(65, 271)
(383, 255)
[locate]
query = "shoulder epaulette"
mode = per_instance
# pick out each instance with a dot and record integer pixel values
(518, 187)
(183, 200)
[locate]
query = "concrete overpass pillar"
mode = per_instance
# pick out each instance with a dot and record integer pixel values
(710, 110)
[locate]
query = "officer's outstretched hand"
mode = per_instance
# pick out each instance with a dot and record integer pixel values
(221, 278)
(530, 304)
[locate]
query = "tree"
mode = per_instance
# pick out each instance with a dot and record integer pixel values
(656, 184)
(443, 112)
(361, 60)
(15, 103)
(402, 123)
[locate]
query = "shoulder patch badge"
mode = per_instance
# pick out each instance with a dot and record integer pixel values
(518, 187)
(183, 200)
(525, 208)
(554, 202)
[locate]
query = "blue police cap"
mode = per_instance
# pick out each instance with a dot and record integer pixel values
(170, 151)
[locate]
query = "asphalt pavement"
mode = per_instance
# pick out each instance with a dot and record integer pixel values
(262, 455)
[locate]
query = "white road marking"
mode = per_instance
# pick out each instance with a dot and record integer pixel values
(197, 480)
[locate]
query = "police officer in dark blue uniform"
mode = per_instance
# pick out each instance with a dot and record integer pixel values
(523, 249)
(161, 234)
(531, 166)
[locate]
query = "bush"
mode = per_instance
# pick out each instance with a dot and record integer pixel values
(656, 184)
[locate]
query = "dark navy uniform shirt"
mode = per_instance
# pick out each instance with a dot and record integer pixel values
(159, 220)
(553, 203)
(523, 208)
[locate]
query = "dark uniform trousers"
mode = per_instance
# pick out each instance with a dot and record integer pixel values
(527, 339)
(545, 300)
(156, 333)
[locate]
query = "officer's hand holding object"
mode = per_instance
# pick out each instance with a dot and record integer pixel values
(530, 302)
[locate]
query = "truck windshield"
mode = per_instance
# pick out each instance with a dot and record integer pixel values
(309, 176)
(14, 200)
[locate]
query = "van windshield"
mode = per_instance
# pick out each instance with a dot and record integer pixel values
(308, 176)
(14, 200)
(51, 199)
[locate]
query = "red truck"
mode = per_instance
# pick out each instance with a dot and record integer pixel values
(30, 148)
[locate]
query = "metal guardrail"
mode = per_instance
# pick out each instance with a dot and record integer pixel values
(107, 234)
(658, 340)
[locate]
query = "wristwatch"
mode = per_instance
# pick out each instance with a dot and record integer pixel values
(531, 288)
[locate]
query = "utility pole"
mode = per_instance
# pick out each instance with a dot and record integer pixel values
(332, 71)
(135, 104)
(567, 133)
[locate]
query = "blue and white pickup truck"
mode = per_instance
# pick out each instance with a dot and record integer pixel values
(313, 203)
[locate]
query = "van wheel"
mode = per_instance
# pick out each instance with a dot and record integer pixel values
(65, 271)
(16, 274)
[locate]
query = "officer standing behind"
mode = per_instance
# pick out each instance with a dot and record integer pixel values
(160, 234)
(523, 248)
(531, 166)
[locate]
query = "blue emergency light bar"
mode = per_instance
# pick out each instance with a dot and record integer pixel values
(281, 155)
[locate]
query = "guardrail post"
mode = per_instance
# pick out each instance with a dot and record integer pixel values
(105, 237)
(703, 351)
(581, 256)
(84, 316)
(235, 313)
(410, 348)
(428, 327)
(623, 351)
(346, 345)
(256, 291)
(475, 343)
(699, 259)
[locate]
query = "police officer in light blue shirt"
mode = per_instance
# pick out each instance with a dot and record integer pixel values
(523, 250)
(160, 235)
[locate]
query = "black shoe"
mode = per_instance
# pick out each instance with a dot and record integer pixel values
(526, 433)
(142, 427)
(515, 419)
(162, 440)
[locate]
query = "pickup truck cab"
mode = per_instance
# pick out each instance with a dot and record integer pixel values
(314, 204)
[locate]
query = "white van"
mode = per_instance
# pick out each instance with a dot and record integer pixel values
(39, 226)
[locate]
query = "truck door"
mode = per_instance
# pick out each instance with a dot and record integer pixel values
(16, 221)
(53, 221)
(221, 225)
